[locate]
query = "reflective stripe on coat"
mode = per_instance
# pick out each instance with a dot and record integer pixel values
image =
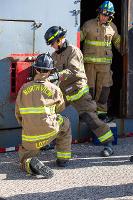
(97, 39)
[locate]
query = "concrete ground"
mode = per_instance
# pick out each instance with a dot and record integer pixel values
(88, 177)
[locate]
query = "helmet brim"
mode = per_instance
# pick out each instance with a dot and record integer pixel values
(49, 69)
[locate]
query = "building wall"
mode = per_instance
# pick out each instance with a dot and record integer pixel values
(17, 37)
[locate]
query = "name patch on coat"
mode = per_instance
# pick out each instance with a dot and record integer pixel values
(40, 88)
(41, 144)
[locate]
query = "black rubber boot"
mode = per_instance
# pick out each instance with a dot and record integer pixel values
(131, 158)
(108, 150)
(62, 163)
(38, 168)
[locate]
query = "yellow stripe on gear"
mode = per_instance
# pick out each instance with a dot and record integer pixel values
(117, 41)
(34, 138)
(80, 93)
(29, 138)
(106, 136)
(97, 43)
(63, 155)
(60, 119)
(27, 166)
(53, 36)
(37, 110)
(98, 60)
(101, 112)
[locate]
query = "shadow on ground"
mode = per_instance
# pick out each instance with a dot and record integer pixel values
(90, 193)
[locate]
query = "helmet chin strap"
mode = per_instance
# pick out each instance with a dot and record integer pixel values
(110, 18)
(60, 42)
(107, 22)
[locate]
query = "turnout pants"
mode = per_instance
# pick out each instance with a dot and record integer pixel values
(86, 108)
(99, 80)
(63, 145)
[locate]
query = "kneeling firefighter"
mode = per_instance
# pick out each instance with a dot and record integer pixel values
(37, 106)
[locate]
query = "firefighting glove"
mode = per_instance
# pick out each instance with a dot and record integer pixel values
(54, 78)
(38, 168)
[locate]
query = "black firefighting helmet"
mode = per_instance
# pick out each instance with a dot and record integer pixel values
(53, 34)
(44, 62)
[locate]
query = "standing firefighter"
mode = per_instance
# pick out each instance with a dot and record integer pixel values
(37, 106)
(98, 34)
(68, 60)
